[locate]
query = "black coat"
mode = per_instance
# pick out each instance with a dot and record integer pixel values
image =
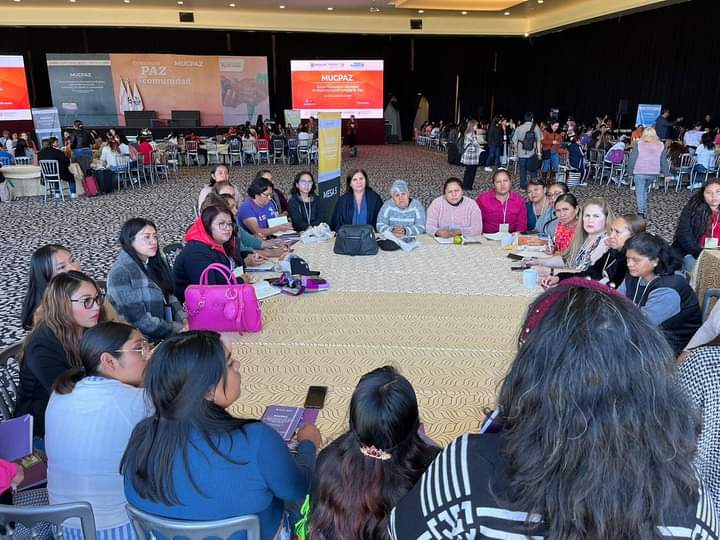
(61, 158)
(190, 263)
(44, 359)
(613, 262)
(687, 235)
(345, 208)
(299, 212)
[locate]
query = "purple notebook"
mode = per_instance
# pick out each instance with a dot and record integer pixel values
(16, 438)
(283, 419)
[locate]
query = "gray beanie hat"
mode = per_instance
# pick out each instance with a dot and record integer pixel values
(399, 186)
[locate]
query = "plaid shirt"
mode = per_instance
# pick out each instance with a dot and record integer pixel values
(471, 150)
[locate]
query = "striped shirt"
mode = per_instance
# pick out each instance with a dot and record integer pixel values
(412, 218)
(463, 492)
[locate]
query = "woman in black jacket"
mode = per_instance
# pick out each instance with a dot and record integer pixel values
(360, 205)
(611, 268)
(699, 223)
(211, 239)
(72, 302)
(303, 205)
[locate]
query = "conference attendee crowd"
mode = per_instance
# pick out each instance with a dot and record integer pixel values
(605, 427)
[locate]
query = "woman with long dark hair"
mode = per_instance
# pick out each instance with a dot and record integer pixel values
(72, 303)
(303, 206)
(655, 286)
(140, 283)
(99, 402)
(359, 205)
(192, 460)
(46, 262)
(699, 223)
(592, 438)
(211, 239)
(365, 472)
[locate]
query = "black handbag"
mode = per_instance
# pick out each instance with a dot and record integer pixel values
(355, 240)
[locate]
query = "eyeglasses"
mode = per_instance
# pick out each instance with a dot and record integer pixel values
(88, 301)
(145, 349)
(224, 225)
(267, 195)
(304, 183)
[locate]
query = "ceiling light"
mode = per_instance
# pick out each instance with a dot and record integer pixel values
(540, 1)
(231, 5)
(330, 9)
(526, 34)
(421, 11)
(73, 1)
(17, 0)
(282, 7)
(374, 10)
(126, 1)
(180, 2)
(463, 12)
(507, 13)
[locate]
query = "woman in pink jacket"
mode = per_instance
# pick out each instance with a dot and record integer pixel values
(502, 209)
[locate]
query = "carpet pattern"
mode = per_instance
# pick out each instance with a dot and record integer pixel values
(90, 227)
(454, 350)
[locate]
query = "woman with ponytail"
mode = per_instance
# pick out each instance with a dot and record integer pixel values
(364, 473)
(91, 414)
(71, 304)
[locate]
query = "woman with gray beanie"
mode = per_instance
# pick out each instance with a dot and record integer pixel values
(400, 214)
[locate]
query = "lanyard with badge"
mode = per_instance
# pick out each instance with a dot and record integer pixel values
(505, 226)
(712, 242)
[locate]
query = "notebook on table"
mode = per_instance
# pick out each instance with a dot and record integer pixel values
(16, 445)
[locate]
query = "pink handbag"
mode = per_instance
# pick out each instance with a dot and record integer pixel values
(232, 307)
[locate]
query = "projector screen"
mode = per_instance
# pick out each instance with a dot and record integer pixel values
(14, 99)
(348, 86)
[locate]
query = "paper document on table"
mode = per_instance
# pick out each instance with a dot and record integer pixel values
(264, 290)
(407, 243)
(276, 221)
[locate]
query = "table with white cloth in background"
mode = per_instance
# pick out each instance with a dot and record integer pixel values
(25, 178)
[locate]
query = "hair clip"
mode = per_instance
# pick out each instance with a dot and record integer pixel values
(375, 453)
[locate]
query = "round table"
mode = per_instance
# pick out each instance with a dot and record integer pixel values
(25, 178)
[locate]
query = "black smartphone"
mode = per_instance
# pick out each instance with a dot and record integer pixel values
(315, 398)
(515, 257)
(517, 267)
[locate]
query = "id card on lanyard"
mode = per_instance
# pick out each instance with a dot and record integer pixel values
(505, 226)
(711, 242)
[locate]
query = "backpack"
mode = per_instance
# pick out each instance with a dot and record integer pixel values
(615, 156)
(529, 140)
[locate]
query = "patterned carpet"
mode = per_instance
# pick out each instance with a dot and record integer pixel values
(91, 226)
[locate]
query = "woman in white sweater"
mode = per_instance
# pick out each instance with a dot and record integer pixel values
(89, 419)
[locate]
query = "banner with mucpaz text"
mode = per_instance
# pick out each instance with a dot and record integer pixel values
(100, 88)
(329, 162)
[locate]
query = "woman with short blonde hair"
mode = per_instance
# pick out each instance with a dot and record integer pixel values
(647, 162)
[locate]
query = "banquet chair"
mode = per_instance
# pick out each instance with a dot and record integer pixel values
(263, 151)
(278, 147)
(124, 174)
(235, 151)
(249, 151)
(172, 159)
(212, 152)
(171, 251)
(687, 163)
(50, 172)
(191, 152)
(160, 166)
(150, 526)
(9, 379)
(292, 153)
(303, 151)
(23, 161)
(5, 161)
(313, 153)
(54, 514)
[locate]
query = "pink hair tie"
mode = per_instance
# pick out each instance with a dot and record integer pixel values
(375, 453)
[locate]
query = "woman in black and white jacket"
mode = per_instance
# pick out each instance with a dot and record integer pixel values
(140, 284)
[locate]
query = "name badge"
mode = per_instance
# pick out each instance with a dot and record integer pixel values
(711, 243)
(504, 228)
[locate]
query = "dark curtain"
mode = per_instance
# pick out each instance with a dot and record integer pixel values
(660, 56)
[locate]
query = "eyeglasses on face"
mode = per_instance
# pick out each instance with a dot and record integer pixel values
(267, 195)
(224, 224)
(145, 349)
(88, 301)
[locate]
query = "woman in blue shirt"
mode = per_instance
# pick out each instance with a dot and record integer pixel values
(360, 205)
(192, 460)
